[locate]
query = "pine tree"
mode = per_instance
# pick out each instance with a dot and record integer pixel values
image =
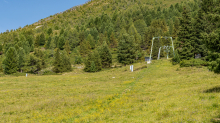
(66, 62)
(37, 41)
(58, 63)
(176, 28)
(47, 46)
(197, 39)
(61, 42)
(11, 61)
(105, 55)
(61, 31)
(97, 60)
(93, 67)
(56, 41)
(26, 47)
(42, 39)
(91, 41)
(126, 50)
(30, 40)
(141, 26)
(67, 47)
(113, 41)
(49, 31)
(88, 62)
(93, 57)
(171, 27)
(85, 47)
(78, 58)
(73, 38)
(21, 58)
(1, 48)
(184, 44)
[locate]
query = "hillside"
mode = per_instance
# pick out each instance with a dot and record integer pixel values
(82, 29)
(160, 93)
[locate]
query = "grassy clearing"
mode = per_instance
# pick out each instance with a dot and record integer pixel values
(159, 93)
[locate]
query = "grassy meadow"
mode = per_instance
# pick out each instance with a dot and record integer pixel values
(160, 93)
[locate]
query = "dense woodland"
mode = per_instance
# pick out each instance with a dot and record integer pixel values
(90, 34)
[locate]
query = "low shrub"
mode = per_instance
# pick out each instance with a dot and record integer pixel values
(49, 72)
(193, 62)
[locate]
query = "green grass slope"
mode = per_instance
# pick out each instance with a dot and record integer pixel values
(160, 93)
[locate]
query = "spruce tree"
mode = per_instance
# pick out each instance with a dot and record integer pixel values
(73, 38)
(141, 26)
(42, 39)
(67, 47)
(78, 59)
(113, 41)
(93, 57)
(48, 42)
(184, 44)
(126, 50)
(61, 42)
(11, 61)
(58, 63)
(56, 41)
(49, 31)
(93, 67)
(176, 28)
(105, 55)
(91, 41)
(84, 47)
(37, 41)
(197, 39)
(97, 60)
(88, 62)
(21, 58)
(171, 28)
(66, 62)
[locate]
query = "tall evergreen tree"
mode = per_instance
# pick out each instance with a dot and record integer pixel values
(67, 47)
(91, 41)
(105, 55)
(113, 41)
(184, 44)
(85, 47)
(58, 63)
(61, 42)
(176, 28)
(66, 62)
(93, 58)
(42, 39)
(48, 42)
(37, 41)
(21, 58)
(126, 50)
(49, 31)
(197, 39)
(11, 61)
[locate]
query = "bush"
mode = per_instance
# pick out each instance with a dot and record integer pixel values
(215, 66)
(193, 62)
(176, 58)
(49, 72)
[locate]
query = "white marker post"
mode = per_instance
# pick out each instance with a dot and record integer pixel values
(131, 68)
(26, 74)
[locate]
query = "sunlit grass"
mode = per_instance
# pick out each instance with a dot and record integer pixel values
(159, 93)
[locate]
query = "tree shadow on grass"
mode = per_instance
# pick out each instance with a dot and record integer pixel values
(216, 120)
(213, 90)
